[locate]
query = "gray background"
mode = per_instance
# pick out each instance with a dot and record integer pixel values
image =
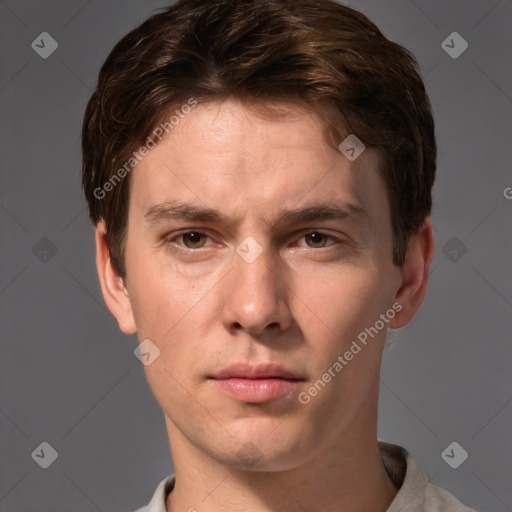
(70, 378)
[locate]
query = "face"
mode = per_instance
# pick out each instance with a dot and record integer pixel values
(256, 256)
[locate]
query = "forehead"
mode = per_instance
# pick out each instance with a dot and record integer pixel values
(226, 155)
(232, 131)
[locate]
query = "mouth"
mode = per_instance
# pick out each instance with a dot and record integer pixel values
(256, 383)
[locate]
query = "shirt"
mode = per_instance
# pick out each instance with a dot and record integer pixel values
(415, 494)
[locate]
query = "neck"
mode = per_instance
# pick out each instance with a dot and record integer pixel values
(347, 476)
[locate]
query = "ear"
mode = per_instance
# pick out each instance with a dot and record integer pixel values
(414, 275)
(112, 285)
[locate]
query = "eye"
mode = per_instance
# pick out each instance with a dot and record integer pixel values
(193, 239)
(317, 240)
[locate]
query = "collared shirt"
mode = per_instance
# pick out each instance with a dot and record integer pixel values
(416, 493)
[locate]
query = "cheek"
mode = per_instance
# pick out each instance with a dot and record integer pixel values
(170, 318)
(343, 303)
(333, 320)
(176, 313)
(167, 312)
(162, 296)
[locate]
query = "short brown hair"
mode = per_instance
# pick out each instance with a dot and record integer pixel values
(317, 53)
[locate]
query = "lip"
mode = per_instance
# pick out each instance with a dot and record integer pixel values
(255, 383)
(258, 371)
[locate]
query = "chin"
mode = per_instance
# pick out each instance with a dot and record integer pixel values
(263, 446)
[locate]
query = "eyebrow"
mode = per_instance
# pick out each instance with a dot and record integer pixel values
(330, 210)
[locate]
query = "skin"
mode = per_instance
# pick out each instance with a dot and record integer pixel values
(300, 304)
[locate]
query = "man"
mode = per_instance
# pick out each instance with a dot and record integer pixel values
(259, 174)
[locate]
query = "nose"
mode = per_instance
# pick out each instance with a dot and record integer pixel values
(256, 296)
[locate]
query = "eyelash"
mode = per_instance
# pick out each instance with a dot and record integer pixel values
(202, 234)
